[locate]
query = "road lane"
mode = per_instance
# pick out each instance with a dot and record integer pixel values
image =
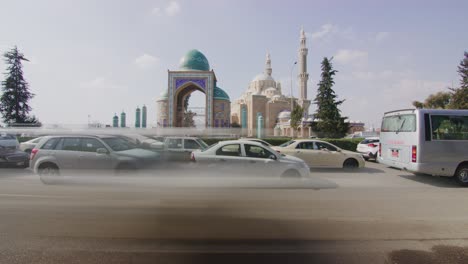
(372, 215)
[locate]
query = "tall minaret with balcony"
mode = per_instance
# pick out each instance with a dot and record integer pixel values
(303, 75)
(268, 69)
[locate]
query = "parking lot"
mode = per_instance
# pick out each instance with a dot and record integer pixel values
(374, 215)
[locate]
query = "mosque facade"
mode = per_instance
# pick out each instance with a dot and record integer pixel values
(264, 106)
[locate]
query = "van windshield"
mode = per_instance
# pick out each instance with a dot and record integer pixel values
(399, 123)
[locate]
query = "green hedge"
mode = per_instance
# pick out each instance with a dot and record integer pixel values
(344, 143)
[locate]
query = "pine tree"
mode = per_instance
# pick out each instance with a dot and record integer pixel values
(330, 123)
(460, 95)
(14, 102)
(296, 116)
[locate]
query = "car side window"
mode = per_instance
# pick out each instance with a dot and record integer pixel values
(191, 144)
(252, 151)
(51, 143)
(174, 143)
(229, 150)
(69, 144)
(305, 145)
(90, 144)
(321, 145)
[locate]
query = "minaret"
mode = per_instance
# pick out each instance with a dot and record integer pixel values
(268, 69)
(303, 75)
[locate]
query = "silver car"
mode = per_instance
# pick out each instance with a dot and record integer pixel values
(249, 158)
(55, 154)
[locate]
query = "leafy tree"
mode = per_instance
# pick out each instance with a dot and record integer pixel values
(460, 95)
(188, 120)
(440, 100)
(296, 117)
(14, 102)
(330, 123)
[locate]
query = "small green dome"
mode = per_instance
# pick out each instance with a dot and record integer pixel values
(163, 96)
(220, 94)
(194, 60)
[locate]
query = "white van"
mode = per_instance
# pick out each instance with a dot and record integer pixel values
(426, 141)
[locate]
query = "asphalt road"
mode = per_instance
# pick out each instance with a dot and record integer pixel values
(372, 215)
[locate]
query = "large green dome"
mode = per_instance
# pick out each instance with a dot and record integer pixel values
(194, 60)
(220, 94)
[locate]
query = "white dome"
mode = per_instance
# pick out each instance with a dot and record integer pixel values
(284, 114)
(263, 77)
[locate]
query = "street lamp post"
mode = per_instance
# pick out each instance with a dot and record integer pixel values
(292, 68)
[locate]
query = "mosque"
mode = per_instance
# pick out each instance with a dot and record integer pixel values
(264, 98)
(263, 106)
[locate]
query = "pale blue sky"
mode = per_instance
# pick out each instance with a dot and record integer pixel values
(100, 57)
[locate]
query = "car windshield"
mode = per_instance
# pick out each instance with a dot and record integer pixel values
(7, 137)
(202, 144)
(287, 143)
(369, 140)
(119, 144)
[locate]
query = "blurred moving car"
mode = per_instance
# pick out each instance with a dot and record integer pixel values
(180, 148)
(369, 148)
(142, 141)
(249, 158)
(27, 146)
(54, 154)
(321, 154)
(10, 155)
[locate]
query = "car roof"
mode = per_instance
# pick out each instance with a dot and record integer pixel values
(242, 141)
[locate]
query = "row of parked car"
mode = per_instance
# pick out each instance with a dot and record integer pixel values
(51, 155)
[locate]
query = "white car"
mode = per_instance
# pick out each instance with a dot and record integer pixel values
(369, 148)
(29, 145)
(249, 158)
(321, 154)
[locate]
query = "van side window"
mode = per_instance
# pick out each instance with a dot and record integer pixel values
(446, 127)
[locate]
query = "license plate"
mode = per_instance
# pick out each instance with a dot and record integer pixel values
(395, 153)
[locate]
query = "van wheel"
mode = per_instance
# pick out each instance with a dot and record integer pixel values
(291, 174)
(350, 164)
(49, 174)
(462, 175)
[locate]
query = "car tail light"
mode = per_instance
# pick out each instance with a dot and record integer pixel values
(380, 149)
(192, 157)
(33, 153)
(413, 154)
(372, 145)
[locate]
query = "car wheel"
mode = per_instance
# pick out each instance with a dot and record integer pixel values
(350, 164)
(291, 174)
(461, 175)
(49, 174)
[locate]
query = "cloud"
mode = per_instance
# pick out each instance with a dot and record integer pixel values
(146, 61)
(173, 8)
(325, 31)
(381, 36)
(328, 32)
(101, 84)
(353, 57)
(156, 11)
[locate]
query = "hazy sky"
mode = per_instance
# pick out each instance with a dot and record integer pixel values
(101, 57)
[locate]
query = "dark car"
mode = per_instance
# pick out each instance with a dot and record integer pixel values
(10, 155)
